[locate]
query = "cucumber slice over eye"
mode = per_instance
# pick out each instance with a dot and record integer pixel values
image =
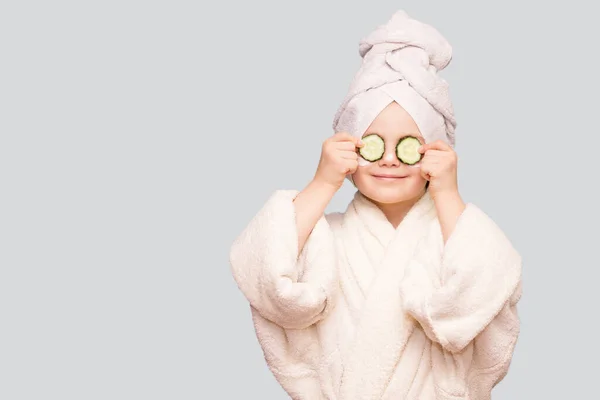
(407, 150)
(373, 148)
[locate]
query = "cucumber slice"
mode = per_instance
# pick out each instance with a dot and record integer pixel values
(407, 150)
(373, 149)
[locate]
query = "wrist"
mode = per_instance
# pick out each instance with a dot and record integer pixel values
(447, 197)
(323, 186)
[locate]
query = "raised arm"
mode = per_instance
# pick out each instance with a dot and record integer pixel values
(310, 205)
(284, 261)
(339, 157)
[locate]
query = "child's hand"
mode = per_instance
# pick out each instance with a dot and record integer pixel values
(439, 166)
(338, 158)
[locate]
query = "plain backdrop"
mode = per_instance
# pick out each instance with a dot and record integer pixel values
(138, 138)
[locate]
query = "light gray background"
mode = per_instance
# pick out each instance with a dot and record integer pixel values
(138, 139)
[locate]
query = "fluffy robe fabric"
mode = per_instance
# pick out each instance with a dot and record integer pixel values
(401, 61)
(366, 311)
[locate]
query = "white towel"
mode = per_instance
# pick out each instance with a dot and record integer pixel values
(401, 62)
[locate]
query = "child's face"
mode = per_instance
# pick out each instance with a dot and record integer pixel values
(402, 182)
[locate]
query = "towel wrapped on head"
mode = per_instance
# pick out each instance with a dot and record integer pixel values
(401, 61)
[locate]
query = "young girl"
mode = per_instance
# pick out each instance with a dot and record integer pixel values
(409, 293)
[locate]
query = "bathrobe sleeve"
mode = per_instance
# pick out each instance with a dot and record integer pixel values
(476, 288)
(290, 288)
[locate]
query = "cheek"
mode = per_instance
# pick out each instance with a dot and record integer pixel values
(415, 181)
(415, 172)
(361, 171)
(360, 177)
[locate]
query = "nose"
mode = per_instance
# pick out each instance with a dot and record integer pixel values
(389, 158)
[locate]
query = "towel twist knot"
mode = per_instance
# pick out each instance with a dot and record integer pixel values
(401, 59)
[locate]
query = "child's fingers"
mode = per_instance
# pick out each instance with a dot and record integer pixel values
(350, 155)
(345, 136)
(437, 145)
(348, 146)
(435, 154)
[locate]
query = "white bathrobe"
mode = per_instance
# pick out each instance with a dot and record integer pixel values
(367, 311)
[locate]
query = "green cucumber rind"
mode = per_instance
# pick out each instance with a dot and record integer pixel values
(403, 159)
(362, 150)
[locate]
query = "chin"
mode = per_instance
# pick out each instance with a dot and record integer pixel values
(391, 193)
(386, 196)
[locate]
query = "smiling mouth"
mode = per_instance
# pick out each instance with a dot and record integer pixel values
(388, 177)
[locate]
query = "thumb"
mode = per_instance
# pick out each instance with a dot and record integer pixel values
(425, 172)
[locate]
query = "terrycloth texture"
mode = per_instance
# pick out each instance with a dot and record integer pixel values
(366, 311)
(400, 62)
